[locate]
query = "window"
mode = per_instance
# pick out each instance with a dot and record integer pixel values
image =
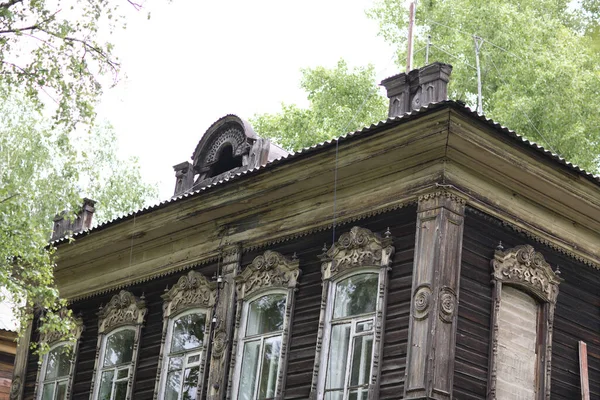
(186, 331)
(118, 339)
(55, 373)
(352, 316)
(525, 294)
(265, 302)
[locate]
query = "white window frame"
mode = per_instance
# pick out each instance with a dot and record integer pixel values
(124, 311)
(263, 338)
(42, 372)
(269, 273)
(200, 352)
(53, 339)
(192, 293)
(356, 252)
(130, 366)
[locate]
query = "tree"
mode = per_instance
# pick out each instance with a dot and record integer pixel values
(55, 49)
(44, 172)
(341, 101)
(540, 64)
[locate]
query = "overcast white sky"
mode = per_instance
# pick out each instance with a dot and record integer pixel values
(196, 60)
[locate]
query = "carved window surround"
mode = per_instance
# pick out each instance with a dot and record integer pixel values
(191, 292)
(356, 251)
(525, 269)
(269, 273)
(55, 339)
(123, 311)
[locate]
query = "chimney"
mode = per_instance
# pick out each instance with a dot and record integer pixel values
(184, 177)
(82, 221)
(418, 88)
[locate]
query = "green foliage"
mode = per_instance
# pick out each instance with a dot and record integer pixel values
(43, 170)
(53, 49)
(540, 64)
(341, 100)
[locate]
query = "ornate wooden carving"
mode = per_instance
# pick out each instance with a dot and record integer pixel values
(192, 291)
(124, 309)
(527, 270)
(436, 274)
(269, 271)
(358, 248)
(54, 337)
(223, 327)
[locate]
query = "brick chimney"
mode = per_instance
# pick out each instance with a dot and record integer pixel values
(83, 220)
(418, 88)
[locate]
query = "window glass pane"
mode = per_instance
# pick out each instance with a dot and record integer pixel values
(269, 368)
(106, 385)
(121, 390)
(190, 383)
(359, 394)
(337, 395)
(173, 385)
(356, 295)
(48, 391)
(338, 355)
(249, 370)
(59, 362)
(175, 363)
(361, 360)
(265, 314)
(119, 348)
(61, 391)
(123, 373)
(188, 332)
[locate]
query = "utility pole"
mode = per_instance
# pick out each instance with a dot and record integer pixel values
(427, 49)
(478, 44)
(411, 23)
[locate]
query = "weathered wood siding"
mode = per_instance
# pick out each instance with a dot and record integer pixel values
(305, 320)
(577, 314)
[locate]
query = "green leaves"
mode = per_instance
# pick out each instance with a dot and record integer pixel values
(540, 64)
(341, 101)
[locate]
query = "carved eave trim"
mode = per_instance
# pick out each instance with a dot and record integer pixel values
(123, 309)
(267, 271)
(357, 248)
(522, 266)
(191, 291)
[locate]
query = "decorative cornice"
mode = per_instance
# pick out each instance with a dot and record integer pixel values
(357, 248)
(269, 270)
(191, 290)
(123, 309)
(447, 193)
(522, 266)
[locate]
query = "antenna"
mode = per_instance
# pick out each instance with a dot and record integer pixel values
(411, 22)
(478, 43)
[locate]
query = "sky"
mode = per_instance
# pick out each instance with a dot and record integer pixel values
(195, 61)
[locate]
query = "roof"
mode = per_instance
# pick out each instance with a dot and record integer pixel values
(374, 128)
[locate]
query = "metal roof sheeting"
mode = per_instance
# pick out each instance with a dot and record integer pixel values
(377, 127)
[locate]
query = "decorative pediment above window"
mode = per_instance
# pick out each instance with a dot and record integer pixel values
(123, 309)
(54, 336)
(523, 267)
(358, 248)
(270, 270)
(191, 291)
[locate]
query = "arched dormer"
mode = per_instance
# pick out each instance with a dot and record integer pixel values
(229, 146)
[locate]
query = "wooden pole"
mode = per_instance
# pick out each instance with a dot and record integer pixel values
(478, 43)
(583, 371)
(411, 24)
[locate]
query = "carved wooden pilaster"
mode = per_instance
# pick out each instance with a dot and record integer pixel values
(223, 328)
(524, 268)
(435, 287)
(20, 369)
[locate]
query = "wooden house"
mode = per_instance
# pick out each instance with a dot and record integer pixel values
(434, 255)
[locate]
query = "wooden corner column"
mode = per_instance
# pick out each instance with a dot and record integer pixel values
(434, 301)
(223, 327)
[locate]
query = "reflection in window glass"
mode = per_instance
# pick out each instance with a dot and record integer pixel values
(351, 333)
(261, 347)
(117, 365)
(182, 365)
(56, 374)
